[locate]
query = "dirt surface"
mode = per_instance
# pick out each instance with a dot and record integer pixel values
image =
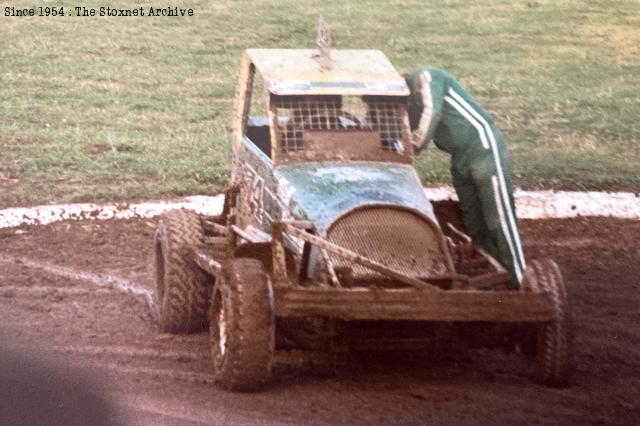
(59, 299)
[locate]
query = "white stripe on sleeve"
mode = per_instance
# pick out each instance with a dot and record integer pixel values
(427, 109)
(470, 119)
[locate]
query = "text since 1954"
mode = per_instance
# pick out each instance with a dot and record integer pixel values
(34, 11)
(84, 11)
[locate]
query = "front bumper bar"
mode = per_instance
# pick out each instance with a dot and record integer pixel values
(413, 305)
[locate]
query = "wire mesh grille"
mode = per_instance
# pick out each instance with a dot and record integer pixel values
(294, 116)
(386, 117)
(397, 238)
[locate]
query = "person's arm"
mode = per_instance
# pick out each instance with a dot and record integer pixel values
(426, 117)
(425, 106)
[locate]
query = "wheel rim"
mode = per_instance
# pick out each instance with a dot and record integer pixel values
(222, 332)
(219, 325)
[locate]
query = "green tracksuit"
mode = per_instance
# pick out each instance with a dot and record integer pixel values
(440, 109)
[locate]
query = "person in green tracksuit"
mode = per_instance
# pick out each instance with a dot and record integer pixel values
(440, 109)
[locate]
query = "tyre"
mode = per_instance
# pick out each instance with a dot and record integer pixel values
(182, 289)
(242, 326)
(552, 346)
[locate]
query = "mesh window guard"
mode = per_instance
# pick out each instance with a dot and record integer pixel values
(296, 115)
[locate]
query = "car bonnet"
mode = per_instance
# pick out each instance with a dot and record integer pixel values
(320, 192)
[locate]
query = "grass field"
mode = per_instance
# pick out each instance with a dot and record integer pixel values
(119, 108)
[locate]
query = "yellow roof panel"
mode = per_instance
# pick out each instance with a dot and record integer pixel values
(353, 72)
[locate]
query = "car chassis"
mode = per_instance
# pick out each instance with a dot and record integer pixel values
(249, 280)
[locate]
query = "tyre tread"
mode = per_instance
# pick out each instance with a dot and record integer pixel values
(248, 298)
(183, 305)
(553, 355)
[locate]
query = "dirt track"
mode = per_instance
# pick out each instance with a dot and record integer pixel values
(154, 378)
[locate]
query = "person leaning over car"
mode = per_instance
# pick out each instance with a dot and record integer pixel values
(442, 110)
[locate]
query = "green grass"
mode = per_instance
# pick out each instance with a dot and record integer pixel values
(120, 108)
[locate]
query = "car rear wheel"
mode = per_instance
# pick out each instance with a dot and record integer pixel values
(242, 326)
(182, 289)
(552, 342)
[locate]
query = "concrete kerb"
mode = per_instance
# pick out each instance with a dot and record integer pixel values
(529, 204)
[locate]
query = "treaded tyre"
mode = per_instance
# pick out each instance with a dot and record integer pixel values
(242, 326)
(182, 290)
(553, 343)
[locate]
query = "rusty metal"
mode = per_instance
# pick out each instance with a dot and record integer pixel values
(207, 263)
(409, 304)
(490, 280)
(214, 227)
(493, 263)
(318, 128)
(475, 262)
(307, 225)
(251, 234)
(355, 258)
(279, 255)
(243, 101)
(395, 237)
(216, 241)
(485, 271)
(458, 233)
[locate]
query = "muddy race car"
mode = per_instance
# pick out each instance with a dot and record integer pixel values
(328, 242)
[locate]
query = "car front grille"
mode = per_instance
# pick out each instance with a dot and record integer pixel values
(395, 237)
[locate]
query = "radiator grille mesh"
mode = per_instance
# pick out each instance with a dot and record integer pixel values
(397, 238)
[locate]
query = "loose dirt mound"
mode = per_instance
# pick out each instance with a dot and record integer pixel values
(157, 378)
